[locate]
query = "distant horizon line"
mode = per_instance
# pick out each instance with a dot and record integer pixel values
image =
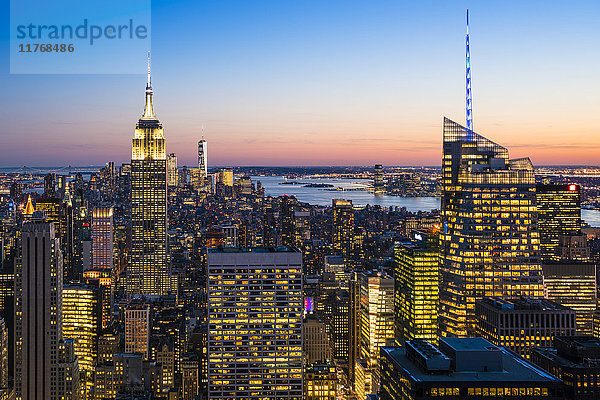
(284, 166)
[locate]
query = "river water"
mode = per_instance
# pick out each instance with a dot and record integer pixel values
(323, 197)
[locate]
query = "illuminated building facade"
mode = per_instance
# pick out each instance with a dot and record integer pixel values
(82, 324)
(521, 324)
(343, 228)
(489, 243)
(320, 382)
(7, 292)
(287, 221)
(195, 179)
(102, 238)
(103, 279)
(137, 329)
(3, 354)
(417, 288)
(340, 326)
(559, 213)
(226, 177)
(172, 171)
(337, 266)
(377, 322)
(462, 368)
(51, 207)
(203, 159)
(354, 318)
(573, 285)
(255, 323)
(38, 316)
(147, 274)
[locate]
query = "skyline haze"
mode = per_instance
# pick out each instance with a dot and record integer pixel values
(365, 84)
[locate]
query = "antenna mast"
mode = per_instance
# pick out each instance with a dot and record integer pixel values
(468, 76)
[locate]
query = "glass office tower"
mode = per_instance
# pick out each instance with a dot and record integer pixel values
(559, 213)
(203, 159)
(343, 227)
(416, 295)
(489, 244)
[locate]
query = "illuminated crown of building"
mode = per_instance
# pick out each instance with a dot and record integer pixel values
(29, 208)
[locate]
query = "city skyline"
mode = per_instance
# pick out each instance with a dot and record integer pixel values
(274, 93)
(258, 233)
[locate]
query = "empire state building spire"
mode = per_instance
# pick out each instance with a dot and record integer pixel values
(148, 109)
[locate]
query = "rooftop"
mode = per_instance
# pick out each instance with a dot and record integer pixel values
(573, 351)
(279, 249)
(523, 304)
(514, 368)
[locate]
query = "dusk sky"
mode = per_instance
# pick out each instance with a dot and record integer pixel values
(325, 83)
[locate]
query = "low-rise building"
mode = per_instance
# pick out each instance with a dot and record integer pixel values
(575, 360)
(462, 368)
(520, 324)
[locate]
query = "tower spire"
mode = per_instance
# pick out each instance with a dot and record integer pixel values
(468, 82)
(148, 109)
(149, 84)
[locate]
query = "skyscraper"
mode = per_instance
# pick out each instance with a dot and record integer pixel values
(489, 244)
(226, 177)
(255, 323)
(343, 227)
(38, 310)
(82, 323)
(137, 329)
(286, 216)
(573, 285)
(354, 318)
(102, 238)
(417, 288)
(147, 273)
(103, 279)
(202, 159)
(559, 214)
(172, 171)
(50, 185)
(51, 208)
(378, 178)
(3, 355)
(377, 324)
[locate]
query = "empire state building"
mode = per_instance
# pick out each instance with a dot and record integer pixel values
(148, 273)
